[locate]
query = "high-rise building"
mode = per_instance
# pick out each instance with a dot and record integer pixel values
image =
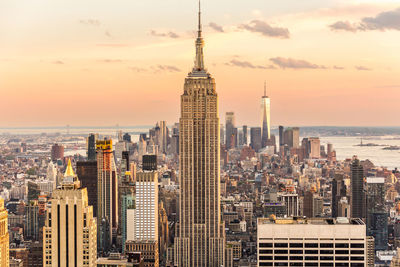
(57, 152)
(265, 118)
(87, 173)
(91, 147)
(51, 174)
(200, 237)
(338, 192)
(230, 139)
(127, 202)
(358, 205)
(32, 220)
(312, 147)
(312, 242)
(377, 215)
(4, 237)
(281, 142)
(145, 236)
(244, 129)
(70, 232)
(255, 138)
(107, 195)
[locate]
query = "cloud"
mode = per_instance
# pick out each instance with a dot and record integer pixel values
(108, 34)
(246, 64)
(58, 62)
(111, 60)
(363, 68)
(343, 26)
(290, 63)
(90, 22)
(167, 34)
(265, 29)
(167, 68)
(388, 20)
(216, 27)
(137, 69)
(112, 45)
(338, 68)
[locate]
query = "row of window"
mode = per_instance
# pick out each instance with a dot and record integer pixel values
(337, 264)
(311, 245)
(322, 251)
(311, 258)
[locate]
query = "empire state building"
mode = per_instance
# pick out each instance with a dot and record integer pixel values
(200, 237)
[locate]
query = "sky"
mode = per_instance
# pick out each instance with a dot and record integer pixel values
(103, 62)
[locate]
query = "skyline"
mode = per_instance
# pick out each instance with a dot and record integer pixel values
(46, 66)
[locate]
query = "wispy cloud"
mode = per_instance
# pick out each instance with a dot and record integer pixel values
(167, 68)
(338, 68)
(388, 20)
(107, 60)
(290, 63)
(58, 62)
(108, 34)
(265, 29)
(247, 64)
(216, 27)
(137, 69)
(169, 34)
(90, 22)
(362, 68)
(112, 45)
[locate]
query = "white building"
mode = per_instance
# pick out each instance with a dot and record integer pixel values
(313, 242)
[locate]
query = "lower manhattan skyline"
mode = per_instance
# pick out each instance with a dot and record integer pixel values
(109, 52)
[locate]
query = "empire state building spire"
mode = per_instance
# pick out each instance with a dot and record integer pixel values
(199, 62)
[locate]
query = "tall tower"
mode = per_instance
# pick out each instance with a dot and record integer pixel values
(4, 238)
(358, 205)
(107, 195)
(200, 237)
(266, 117)
(70, 229)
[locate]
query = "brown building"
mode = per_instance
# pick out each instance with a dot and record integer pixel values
(148, 250)
(57, 152)
(87, 173)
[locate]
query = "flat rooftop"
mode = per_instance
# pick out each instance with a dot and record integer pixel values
(312, 221)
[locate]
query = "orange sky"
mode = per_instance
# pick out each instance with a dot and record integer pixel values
(124, 62)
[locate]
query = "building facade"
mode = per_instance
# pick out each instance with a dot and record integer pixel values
(312, 242)
(200, 237)
(70, 232)
(4, 236)
(265, 118)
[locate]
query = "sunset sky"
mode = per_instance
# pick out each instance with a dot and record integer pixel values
(108, 62)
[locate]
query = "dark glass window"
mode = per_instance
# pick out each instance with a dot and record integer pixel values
(265, 245)
(296, 245)
(326, 245)
(281, 245)
(311, 245)
(357, 245)
(341, 245)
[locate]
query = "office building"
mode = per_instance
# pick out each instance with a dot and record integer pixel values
(107, 195)
(339, 191)
(70, 232)
(265, 118)
(57, 152)
(145, 235)
(377, 214)
(4, 237)
(127, 202)
(91, 147)
(87, 173)
(255, 138)
(358, 203)
(200, 234)
(230, 130)
(291, 201)
(244, 129)
(312, 242)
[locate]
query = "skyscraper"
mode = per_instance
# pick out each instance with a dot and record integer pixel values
(91, 147)
(266, 118)
(357, 190)
(107, 190)
(200, 237)
(57, 152)
(244, 135)
(87, 173)
(4, 238)
(376, 213)
(145, 228)
(70, 229)
(255, 138)
(230, 130)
